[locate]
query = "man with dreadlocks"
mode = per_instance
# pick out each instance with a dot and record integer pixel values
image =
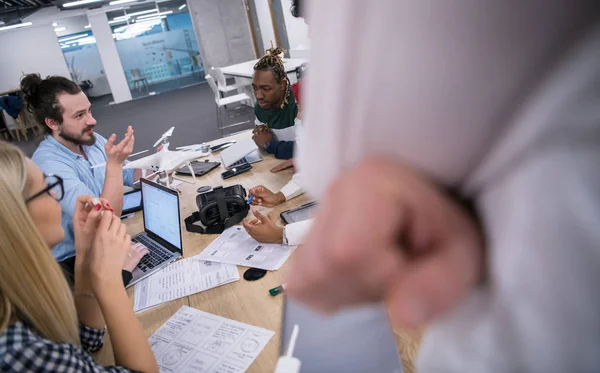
(276, 108)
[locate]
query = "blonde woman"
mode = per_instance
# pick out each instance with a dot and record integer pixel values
(44, 327)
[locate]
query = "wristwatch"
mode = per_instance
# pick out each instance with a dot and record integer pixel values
(266, 145)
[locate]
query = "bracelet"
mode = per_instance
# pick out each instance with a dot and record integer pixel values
(84, 294)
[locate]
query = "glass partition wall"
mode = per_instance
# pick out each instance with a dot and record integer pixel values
(157, 46)
(81, 54)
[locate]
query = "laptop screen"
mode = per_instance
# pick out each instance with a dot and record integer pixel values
(161, 212)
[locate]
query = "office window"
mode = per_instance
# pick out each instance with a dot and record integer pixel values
(157, 46)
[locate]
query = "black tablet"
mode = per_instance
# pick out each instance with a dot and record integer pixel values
(132, 201)
(301, 213)
(200, 168)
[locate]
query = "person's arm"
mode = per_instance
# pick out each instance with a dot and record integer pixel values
(109, 252)
(292, 189)
(281, 149)
(136, 176)
(129, 342)
(294, 233)
(113, 186)
(116, 155)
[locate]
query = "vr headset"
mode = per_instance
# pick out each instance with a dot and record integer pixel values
(218, 210)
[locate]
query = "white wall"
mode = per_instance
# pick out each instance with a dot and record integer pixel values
(29, 50)
(264, 22)
(297, 29)
(110, 57)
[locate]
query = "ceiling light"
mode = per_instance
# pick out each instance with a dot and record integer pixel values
(116, 21)
(121, 18)
(59, 29)
(54, 24)
(142, 12)
(121, 2)
(80, 2)
(87, 26)
(73, 38)
(154, 15)
(153, 19)
(18, 25)
(183, 6)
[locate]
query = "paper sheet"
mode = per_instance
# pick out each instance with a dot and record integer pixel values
(180, 279)
(235, 246)
(200, 342)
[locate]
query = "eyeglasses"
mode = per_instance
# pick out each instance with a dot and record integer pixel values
(55, 188)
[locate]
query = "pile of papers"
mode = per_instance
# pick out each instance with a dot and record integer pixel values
(196, 341)
(180, 279)
(215, 266)
(235, 246)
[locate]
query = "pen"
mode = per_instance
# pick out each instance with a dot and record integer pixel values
(278, 290)
(250, 198)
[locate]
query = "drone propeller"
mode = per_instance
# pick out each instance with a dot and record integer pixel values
(164, 136)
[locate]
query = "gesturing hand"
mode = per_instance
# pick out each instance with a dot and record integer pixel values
(85, 222)
(264, 197)
(263, 229)
(408, 245)
(110, 249)
(119, 153)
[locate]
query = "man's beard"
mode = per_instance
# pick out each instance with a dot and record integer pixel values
(78, 140)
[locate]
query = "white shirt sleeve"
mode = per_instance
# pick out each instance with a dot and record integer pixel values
(293, 188)
(295, 232)
(258, 122)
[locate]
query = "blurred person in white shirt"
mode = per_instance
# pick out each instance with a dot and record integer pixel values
(496, 102)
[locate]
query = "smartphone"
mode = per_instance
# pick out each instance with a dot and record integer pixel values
(236, 171)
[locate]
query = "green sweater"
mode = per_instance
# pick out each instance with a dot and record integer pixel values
(278, 118)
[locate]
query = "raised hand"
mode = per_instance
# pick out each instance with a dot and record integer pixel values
(120, 152)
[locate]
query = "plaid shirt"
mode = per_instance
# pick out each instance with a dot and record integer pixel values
(22, 350)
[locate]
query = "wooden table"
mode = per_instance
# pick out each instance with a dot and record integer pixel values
(247, 302)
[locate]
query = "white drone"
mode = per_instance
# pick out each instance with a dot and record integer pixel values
(165, 162)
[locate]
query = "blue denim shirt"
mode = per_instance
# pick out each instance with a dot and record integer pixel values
(79, 179)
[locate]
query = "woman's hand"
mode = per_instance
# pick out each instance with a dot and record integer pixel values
(110, 249)
(138, 251)
(85, 222)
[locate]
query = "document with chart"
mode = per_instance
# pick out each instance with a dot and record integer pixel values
(180, 279)
(193, 341)
(235, 246)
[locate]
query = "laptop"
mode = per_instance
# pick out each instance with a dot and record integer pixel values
(162, 229)
(250, 158)
(353, 340)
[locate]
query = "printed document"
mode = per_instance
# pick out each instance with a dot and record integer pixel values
(193, 341)
(180, 279)
(235, 246)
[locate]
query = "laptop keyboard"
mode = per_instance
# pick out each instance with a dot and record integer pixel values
(156, 256)
(239, 163)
